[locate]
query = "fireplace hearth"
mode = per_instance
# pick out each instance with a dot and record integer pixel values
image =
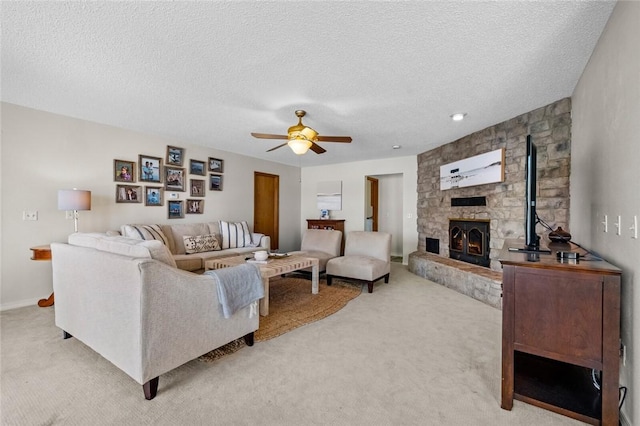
(469, 241)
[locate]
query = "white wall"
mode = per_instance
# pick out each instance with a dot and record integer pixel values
(605, 171)
(353, 179)
(43, 152)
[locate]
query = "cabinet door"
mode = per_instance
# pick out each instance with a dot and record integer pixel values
(559, 315)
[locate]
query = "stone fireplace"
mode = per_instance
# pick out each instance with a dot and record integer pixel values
(500, 206)
(469, 241)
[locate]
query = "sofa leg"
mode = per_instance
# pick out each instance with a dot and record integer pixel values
(329, 279)
(65, 335)
(386, 279)
(248, 339)
(370, 285)
(151, 388)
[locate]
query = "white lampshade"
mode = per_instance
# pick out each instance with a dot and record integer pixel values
(74, 199)
(299, 146)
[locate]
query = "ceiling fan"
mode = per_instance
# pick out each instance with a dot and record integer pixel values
(301, 138)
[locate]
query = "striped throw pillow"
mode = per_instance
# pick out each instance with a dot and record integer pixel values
(235, 235)
(145, 232)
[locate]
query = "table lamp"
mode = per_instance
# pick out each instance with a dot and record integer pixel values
(74, 199)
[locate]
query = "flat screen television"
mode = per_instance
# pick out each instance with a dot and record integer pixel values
(532, 241)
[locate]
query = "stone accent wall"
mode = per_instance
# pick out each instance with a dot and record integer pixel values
(550, 129)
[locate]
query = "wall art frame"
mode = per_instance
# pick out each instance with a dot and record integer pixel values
(153, 196)
(195, 206)
(197, 167)
(175, 209)
(124, 171)
(197, 187)
(128, 194)
(477, 170)
(215, 182)
(174, 178)
(216, 165)
(175, 156)
(150, 168)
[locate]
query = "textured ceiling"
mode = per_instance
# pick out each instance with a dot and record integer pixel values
(385, 73)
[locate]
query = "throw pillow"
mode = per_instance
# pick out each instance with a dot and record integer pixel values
(235, 235)
(145, 232)
(200, 243)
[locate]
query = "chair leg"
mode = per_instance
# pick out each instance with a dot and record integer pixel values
(329, 279)
(370, 285)
(248, 339)
(151, 388)
(386, 279)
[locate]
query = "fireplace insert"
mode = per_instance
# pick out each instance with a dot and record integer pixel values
(469, 241)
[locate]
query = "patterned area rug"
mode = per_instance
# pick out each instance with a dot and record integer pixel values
(292, 305)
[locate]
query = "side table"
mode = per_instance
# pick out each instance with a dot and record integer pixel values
(42, 253)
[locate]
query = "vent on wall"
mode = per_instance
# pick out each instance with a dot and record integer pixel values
(433, 245)
(468, 201)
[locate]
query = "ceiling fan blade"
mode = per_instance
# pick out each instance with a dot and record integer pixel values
(317, 148)
(345, 139)
(268, 136)
(276, 147)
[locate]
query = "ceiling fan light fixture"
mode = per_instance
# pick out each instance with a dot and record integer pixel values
(299, 146)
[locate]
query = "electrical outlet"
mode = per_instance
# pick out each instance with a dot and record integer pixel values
(605, 224)
(30, 215)
(623, 353)
(68, 214)
(634, 227)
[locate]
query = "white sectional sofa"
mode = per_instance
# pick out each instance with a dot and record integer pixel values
(125, 299)
(232, 238)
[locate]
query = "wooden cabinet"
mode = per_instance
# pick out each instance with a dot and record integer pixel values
(560, 321)
(331, 224)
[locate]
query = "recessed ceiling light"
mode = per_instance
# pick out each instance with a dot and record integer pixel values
(396, 147)
(459, 116)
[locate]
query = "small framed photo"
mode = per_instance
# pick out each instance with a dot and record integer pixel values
(153, 196)
(128, 194)
(197, 187)
(216, 165)
(150, 168)
(176, 210)
(124, 171)
(197, 168)
(195, 206)
(215, 182)
(174, 178)
(175, 155)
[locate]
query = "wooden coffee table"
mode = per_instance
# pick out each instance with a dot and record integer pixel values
(273, 267)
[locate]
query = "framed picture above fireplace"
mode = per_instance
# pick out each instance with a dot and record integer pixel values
(478, 170)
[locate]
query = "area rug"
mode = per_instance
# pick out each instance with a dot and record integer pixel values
(291, 305)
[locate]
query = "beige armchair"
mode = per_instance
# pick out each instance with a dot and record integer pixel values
(323, 244)
(367, 258)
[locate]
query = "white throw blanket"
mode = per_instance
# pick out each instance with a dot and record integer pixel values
(238, 286)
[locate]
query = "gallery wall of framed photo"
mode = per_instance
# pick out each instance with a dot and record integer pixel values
(149, 181)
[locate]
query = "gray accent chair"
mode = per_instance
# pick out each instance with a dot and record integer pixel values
(323, 244)
(367, 258)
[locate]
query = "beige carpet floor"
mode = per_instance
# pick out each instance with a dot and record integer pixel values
(410, 353)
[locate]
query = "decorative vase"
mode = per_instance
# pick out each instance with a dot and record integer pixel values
(560, 236)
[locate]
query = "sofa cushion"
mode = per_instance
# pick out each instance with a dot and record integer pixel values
(159, 252)
(200, 243)
(144, 232)
(180, 230)
(235, 234)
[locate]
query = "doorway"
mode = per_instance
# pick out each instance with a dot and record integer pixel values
(266, 213)
(371, 214)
